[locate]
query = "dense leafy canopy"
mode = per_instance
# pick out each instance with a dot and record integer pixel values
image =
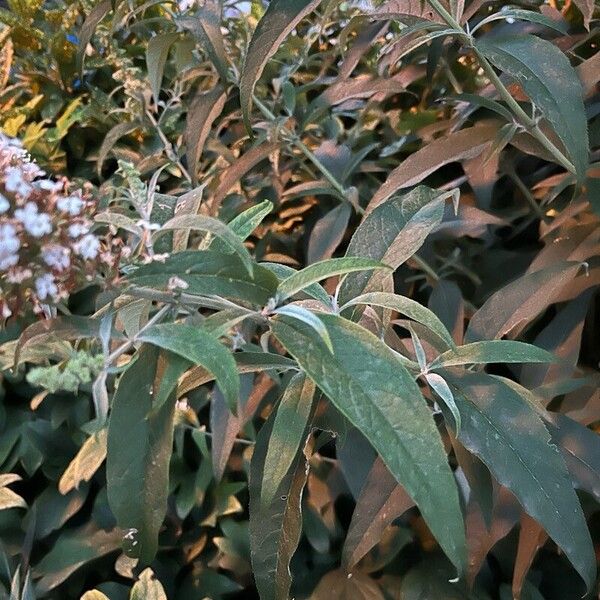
(326, 324)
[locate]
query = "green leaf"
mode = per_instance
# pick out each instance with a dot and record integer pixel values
(315, 290)
(581, 449)
(509, 437)
(523, 15)
(483, 102)
(245, 223)
(74, 548)
(440, 387)
(139, 449)
(552, 84)
(198, 346)
(289, 431)
(209, 273)
(406, 306)
(391, 233)
(157, 52)
(246, 362)
(368, 385)
(308, 317)
(147, 587)
(216, 228)
(275, 527)
(323, 269)
(493, 351)
(280, 18)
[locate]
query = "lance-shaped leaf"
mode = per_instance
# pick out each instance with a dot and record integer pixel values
(203, 111)
(306, 316)
(552, 84)
(208, 273)
(509, 437)
(206, 27)
(157, 53)
(442, 389)
(328, 232)
(519, 14)
(275, 526)
(246, 362)
(392, 233)
(321, 270)
(214, 227)
(111, 138)
(68, 328)
(381, 501)
(368, 385)
(139, 449)
(86, 462)
(289, 431)
(86, 32)
(315, 290)
(198, 346)
(245, 223)
(406, 306)
(493, 351)
(278, 21)
(460, 145)
(581, 449)
(519, 302)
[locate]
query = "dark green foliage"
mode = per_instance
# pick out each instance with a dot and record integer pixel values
(351, 351)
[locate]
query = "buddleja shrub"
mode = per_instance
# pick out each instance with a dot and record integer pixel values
(201, 309)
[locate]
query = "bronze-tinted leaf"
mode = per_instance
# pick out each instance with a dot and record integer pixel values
(204, 109)
(381, 501)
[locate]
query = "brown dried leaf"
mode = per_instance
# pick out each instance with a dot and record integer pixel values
(515, 305)
(381, 501)
(458, 146)
(531, 538)
(237, 170)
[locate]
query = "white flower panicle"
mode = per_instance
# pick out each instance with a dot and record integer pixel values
(46, 247)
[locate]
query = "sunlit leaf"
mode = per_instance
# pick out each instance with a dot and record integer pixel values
(324, 269)
(493, 351)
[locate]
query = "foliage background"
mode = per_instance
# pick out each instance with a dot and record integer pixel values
(86, 85)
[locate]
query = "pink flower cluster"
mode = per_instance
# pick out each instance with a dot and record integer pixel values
(46, 247)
